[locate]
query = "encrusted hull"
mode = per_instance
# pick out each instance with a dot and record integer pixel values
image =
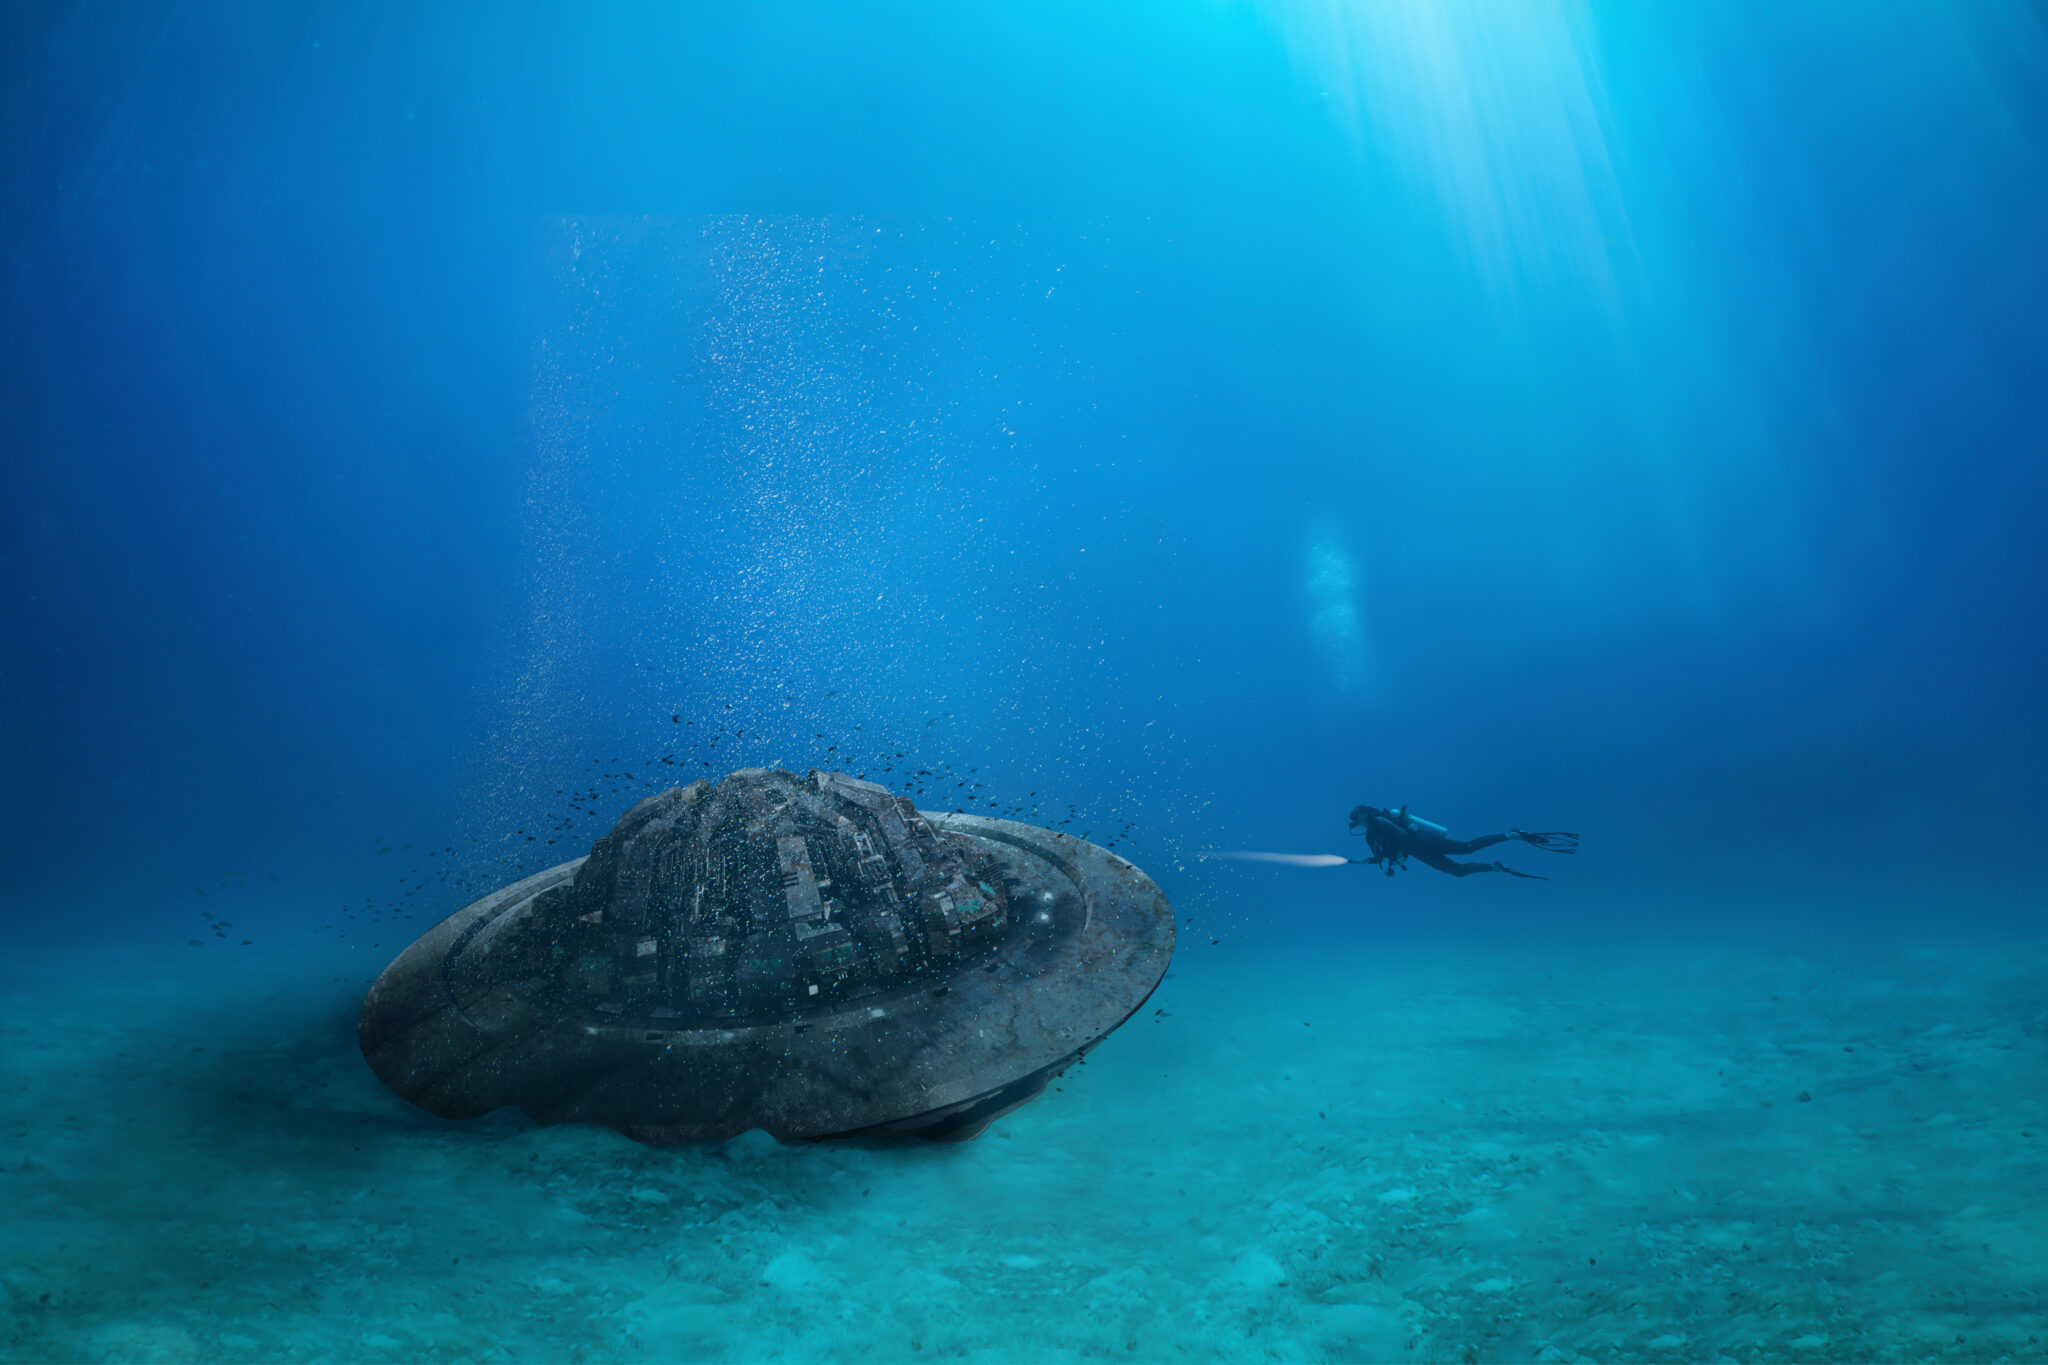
(446, 1027)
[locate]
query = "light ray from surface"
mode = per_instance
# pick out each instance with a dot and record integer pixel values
(1494, 112)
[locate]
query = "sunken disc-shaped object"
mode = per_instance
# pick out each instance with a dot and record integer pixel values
(811, 955)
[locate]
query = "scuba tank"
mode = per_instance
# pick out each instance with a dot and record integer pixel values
(1415, 824)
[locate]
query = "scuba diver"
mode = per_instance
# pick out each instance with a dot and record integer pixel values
(1394, 836)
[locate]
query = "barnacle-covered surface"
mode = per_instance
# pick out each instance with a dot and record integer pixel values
(757, 897)
(810, 955)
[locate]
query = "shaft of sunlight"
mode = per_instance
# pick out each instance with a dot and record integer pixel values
(1492, 113)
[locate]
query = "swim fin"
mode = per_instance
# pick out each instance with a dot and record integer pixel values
(1556, 843)
(1532, 876)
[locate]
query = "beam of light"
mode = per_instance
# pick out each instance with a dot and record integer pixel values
(1289, 859)
(1493, 111)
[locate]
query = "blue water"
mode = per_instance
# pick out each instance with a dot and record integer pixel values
(1187, 421)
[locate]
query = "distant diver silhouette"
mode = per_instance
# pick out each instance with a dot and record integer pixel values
(1395, 836)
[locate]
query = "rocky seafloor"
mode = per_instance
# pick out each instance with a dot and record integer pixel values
(1671, 1155)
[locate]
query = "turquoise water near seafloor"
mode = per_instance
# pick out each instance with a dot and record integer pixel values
(427, 433)
(1432, 1155)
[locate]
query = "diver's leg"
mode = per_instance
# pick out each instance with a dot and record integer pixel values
(1443, 864)
(1470, 845)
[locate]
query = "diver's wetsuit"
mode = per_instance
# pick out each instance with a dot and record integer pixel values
(1395, 836)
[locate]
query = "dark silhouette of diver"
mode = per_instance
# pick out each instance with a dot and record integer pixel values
(1396, 836)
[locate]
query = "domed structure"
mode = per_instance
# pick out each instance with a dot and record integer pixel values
(808, 955)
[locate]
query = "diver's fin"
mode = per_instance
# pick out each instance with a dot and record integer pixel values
(1532, 876)
(1556, 843)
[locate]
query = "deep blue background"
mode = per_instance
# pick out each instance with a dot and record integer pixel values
(1627, 419)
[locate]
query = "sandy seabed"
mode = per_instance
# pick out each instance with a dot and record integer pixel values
(1681, 1155)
